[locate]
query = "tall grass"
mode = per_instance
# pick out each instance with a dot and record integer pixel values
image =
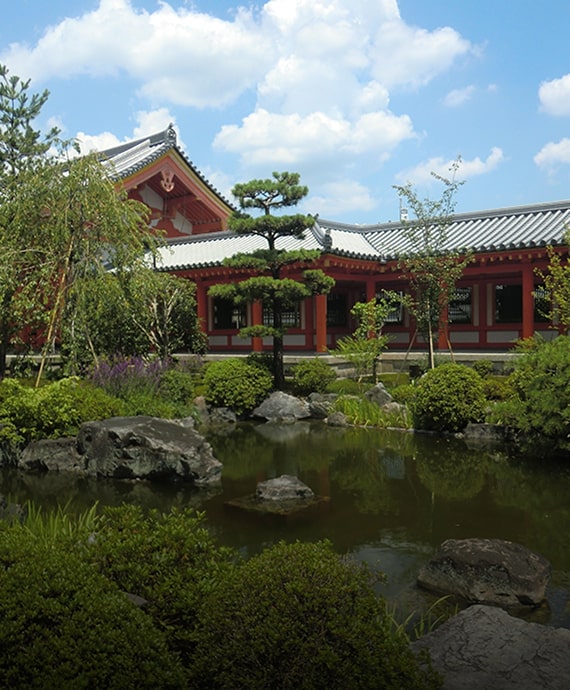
(59, 523)
(363, 412)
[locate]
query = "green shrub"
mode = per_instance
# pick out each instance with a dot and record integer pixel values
(299, 616)
(312, 376)
(483, 367)
(64, 626)
(56, 409)
(540, 406)
(447, 398)
(403, 394)
(235, 383)
(497, 388)
(169, 559)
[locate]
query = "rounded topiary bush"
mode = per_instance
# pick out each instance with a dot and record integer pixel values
(300, 616)
(64, 626)
(312, 376)
(235, 383)
(448, 398)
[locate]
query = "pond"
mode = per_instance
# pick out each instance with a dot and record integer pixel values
(393, 497)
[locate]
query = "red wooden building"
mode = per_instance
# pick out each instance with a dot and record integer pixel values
(496, 300)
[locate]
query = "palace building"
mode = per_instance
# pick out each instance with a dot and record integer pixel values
(497, 301)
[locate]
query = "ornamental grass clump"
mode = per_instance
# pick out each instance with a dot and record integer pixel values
(448, 398)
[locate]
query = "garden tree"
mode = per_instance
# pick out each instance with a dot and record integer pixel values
(83, 226)
(431, 268)
(278, 293)
(132, 312)
(363, 347)
(557, 284)
(22, 149)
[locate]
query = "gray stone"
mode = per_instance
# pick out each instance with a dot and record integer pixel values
(487, 571)
(337, 419)
(222, 415)
(320, 404)
(283, 488)
(486, 434)
(52, 455)
(280, 406)
(378, 394)
(484, 648)
(147, 448)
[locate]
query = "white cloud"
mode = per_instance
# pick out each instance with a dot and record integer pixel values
(422, 173)
(553, 154)
(340, 197)
(458, 97)
(268, 138)
(407, 55)
(554, 96)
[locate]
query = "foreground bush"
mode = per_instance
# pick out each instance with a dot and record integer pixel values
(447, 398)
(56, 409)
(64, 626)
(312, 376)
(540, 406)
(235, 383)
(169, 559)
(299, 616)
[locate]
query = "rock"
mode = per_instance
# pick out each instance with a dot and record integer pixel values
(52, 455)
(147, 448)
(487, 571)
(378, 394)
(12, 512)
(283, 496)
(484, 648)
(320, 404)
(202, 410)
(280, 406)
(222, 415)
(283, 488)
(337, 419)
(486, 434)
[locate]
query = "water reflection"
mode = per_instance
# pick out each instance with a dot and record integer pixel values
(394, 497)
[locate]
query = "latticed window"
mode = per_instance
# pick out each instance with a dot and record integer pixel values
(396, 314)
(337, 310)
(290, 318)
(228, 316)
(508, 303)
(460, 308)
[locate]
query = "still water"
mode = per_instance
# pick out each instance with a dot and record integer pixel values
(393, 497)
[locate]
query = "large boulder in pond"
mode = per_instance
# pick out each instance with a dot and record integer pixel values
(52, 455)
(487, 571)
(484, 648)
(147, 448)
(280, 406)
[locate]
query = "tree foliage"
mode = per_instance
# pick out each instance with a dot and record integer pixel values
(431, 267)
(363, 347)
(277, 293)
(557, 283)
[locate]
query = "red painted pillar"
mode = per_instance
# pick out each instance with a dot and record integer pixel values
(257, 320)
(527, 301)
(321, 322)
(370, 289)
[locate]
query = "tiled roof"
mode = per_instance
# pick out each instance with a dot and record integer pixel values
(500, 229)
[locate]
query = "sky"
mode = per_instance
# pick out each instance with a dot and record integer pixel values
(358, 96)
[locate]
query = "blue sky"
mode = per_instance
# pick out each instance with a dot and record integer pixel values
(356, 95)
